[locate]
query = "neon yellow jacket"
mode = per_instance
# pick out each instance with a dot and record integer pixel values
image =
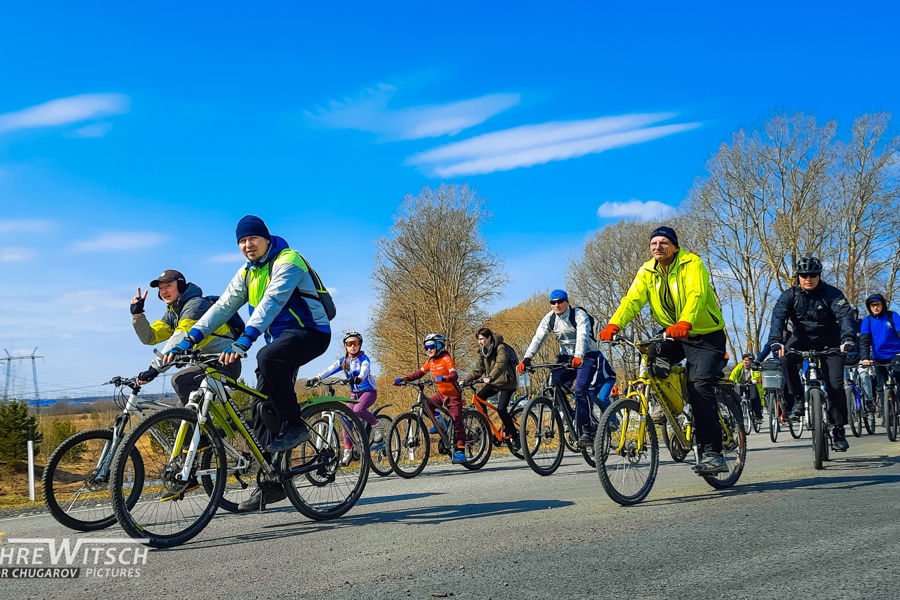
(737, 376)
(691, 292)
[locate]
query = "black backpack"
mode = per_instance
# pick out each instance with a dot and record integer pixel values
(235, 323)
(322, 294)
(571, 320)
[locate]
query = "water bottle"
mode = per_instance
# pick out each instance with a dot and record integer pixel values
(440, 420)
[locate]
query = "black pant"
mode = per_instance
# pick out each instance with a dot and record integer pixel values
(755, 400)
(188, 380)
(276, 372)
(502, 406)
(704, 354)
(881, 374)
(832, 374)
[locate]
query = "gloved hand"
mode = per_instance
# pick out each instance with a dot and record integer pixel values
(679, 330)
(399, 381)
(846, 346)
(609, 332)
(239, 347)
(440, 378)
(356, 380)
(181, 347)
(137, 303)
(777, 349)
(147, 376)
(312, 382)
(526, 363)
(576, 362)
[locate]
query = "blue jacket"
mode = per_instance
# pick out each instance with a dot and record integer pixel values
(359, 366)
(877, 339)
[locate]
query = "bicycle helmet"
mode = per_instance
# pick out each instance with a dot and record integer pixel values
(353, 334)
(438, 338)
(809, 265)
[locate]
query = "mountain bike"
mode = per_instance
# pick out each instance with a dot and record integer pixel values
(773, 389)
(377, 434)
(491, 414)
(208, 447)
(858, 415)
(409, 438)
(548, 426)
(817, 403)
(748, 419)
(76, 478)
(626, 446)
(890, 410)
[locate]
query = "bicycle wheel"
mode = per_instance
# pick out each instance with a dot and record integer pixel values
(854, 415)
(168, 511)
(517, 415)
(772, 404)
(409, 445)
(242, 468)
(76, 480)
(541, 436)
(869, 420)
(746, 416)
(796, 427)
(734, 439)
(328, 488)
(570, 437)
(627, 452)
(478, 440)
(817, 426)
(378, 446)
(676, 450)
(890, 416)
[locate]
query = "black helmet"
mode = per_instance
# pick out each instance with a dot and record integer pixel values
(438, 338)
(809, 265)
(876, 298)
(353, 334)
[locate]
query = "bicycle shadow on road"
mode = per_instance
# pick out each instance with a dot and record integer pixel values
(435, 515)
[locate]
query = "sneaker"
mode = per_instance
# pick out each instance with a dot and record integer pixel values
(710, 464)
(348, 457)
(178, 494)
(839, 440)
(515, 442)
(291, 436)
(870, 406)
(797, 413)
(459, 457)
(378, 437)
(587, 439)
(267, 493)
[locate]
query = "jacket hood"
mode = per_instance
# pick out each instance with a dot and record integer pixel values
(498, 339)
(876, 298)
(275, 247)
(191, 291)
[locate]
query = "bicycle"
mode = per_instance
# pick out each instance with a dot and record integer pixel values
(186, 477)
(749, 421)
(548, 427)
(890, 411)
(76, 478)
(377, 434)
(858, 415)
(409, 441)
(773, 390)
(817, 403)
(626, 446)
(491, 414)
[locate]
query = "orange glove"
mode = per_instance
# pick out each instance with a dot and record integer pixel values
(607, 334)
(679, 330)
(576, 362)
(526, 362)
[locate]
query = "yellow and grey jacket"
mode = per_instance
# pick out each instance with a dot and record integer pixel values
(684, 294)
(179, 318)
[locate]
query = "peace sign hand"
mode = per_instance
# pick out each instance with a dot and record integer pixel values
(137, 303)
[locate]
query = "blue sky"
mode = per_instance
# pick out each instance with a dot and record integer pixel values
(132, 139)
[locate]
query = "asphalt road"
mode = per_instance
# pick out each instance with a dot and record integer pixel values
(785, 530)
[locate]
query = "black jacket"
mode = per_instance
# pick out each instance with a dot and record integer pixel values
(822, 314)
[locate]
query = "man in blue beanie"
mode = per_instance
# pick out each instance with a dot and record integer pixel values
(284, 306)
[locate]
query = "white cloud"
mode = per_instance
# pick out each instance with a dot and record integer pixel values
(26, 226)
(228, 257)
(635, 209)
(95, 130)
(65, 110)
(538, 144)
(120, 241)
(11, 255)
(370, 112)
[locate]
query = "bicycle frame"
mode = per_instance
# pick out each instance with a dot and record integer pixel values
(482, 405)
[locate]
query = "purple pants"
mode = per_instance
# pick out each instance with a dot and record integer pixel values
(361, 408)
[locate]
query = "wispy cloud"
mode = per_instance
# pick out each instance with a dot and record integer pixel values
(120, 241)
(530, 145)
(370, 112)
(63, 111)
(227, 257)
(648, 210)
(94, 130)
(13, 255)
(26, 226)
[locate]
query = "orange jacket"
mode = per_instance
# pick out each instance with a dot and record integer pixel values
(440, 365)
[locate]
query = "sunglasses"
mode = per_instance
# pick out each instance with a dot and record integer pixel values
(808, 275)
(431, 346)
(555, 302)
(352, 344)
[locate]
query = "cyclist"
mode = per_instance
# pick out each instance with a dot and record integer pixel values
(878, 338)
(442, 367)
(497, 373)
(285, 310)
(573, 331)
(748, 377)
(185, 305)
(677, 286)
(821, 317)
(357, 368)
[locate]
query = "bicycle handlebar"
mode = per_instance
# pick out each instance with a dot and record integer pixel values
(419, 383)
(814, 353)
(548, 366)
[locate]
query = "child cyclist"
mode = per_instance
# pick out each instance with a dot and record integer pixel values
(356, 367)
(442, 367)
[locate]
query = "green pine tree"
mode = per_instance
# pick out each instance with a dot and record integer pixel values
(16, 428)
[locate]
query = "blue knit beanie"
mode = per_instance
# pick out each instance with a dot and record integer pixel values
(251, 225)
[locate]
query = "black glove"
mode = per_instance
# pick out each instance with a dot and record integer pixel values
(148, 375)
(527, 362)
(137, 308)
(312, 382)
(356, 380)
(776, 347)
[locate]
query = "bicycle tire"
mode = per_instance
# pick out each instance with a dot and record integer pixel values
(854, 415)
(746, 416)
(677, 453)
(162, 523)
(868, 419)
(796, 427)
(734, 439)
(516, 415)
(541, 436)
(239, 483)
(332, 488)
(890, 416)
(75, 492)
(815, 407)
(478, 445)
(378, 451)
(626, 475)
(772, 404)
(409, 445)
(570, 434)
